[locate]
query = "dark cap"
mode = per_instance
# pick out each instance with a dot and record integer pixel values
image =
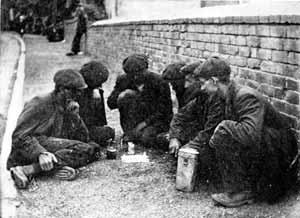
(214, 67)
(135, 64)
(190, 68)
(94, 73)
(69, 78)
(172, 71)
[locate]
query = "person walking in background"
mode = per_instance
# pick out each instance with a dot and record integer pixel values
(92, 107)
(81, 29)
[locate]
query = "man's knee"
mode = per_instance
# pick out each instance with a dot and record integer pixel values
(148, 137)
(126, 99)
(102, 134)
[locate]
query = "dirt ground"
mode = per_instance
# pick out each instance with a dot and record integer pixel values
(111, 188)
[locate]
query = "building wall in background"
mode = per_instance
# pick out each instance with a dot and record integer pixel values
(264, 52)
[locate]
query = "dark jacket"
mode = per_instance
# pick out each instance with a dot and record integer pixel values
(92, 110)
(43, 116)
(82, 21)
(248, 115)
(255, 125)
(155, 99)
(206, 111)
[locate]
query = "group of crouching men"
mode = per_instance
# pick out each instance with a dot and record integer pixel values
(244, 143)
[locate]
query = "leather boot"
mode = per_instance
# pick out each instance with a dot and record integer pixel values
(233, 199)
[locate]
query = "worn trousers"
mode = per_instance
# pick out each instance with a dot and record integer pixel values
(70, 153)
(131, 110)
(76, 42)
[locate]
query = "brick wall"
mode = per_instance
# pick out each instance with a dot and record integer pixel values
(264, 52)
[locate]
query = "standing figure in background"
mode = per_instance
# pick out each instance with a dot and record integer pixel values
(81, 29)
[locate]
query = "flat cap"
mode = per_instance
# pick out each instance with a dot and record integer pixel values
(69, 78)
(173, 72)
(213, 67)
(190, 68)
(94, 73)
(135, 63)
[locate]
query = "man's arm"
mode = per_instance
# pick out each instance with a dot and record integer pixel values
(184, 116)
(22, 138)
(121, 84)
(247, 130)
(164, 105)
(215, 112)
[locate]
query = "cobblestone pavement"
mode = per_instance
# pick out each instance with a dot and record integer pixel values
(110, 188)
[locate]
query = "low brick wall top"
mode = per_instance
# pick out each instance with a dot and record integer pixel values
(273, 19)
(263, 51)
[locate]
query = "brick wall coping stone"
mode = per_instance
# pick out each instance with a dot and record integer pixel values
(271, 19)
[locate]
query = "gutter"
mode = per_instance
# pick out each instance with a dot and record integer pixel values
(8, 196)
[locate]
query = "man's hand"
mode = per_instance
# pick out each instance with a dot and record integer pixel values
(73, 107)
(125, 92)
(47, 160)
(140, 126)
(174, 146)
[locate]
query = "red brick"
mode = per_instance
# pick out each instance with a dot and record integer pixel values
(262, 77)
(293, 31)
(279, 104)
(280, 56)
(253, 63)
(212, 29)
(252, 84)
(245, 29)
(197, 28)
(241, 40)
(253, 41)
(292, 109)
(238, 61)
(292, 97)
(264, 54)
(272, 43)
(278, 31)
(292, 84)
(279, 93)
(271, 67)
(228, 49)
(263, 30)
(278, 81)
(216, 38)
(267, 90)
(229, 29)
(293, 58)
(244, 51)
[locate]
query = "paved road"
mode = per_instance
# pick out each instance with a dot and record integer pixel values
(110, 188)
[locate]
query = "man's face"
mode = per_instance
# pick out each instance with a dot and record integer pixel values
(189, 80)
(178, 84)
(210, 86)
(71, 94)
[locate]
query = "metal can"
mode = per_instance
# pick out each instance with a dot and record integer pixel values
(111, 153)
(131, 148)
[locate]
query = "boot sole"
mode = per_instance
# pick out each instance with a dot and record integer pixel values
(240, 203)
(18, 181)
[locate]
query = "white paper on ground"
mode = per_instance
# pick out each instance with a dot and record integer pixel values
(143, 158)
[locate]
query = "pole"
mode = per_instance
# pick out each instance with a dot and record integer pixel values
(0, 15)
(54, 11)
